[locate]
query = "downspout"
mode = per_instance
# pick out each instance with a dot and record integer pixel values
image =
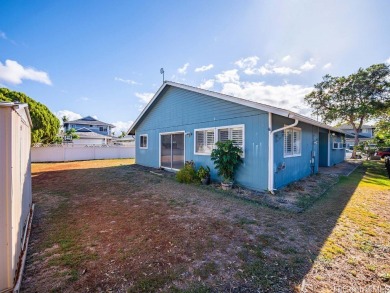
(271, 148)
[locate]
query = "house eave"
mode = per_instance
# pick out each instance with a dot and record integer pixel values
(240, 101)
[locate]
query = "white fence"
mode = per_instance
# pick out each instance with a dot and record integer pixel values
(63, 153)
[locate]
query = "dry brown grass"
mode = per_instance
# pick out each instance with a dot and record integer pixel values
(109, 225)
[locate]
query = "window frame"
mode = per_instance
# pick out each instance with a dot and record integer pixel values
(140, 141)
(293, 129)
(195, 140)
(216, 138)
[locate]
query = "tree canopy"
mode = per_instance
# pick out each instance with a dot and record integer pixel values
(382, 130)
(45, 123)
(353, 99)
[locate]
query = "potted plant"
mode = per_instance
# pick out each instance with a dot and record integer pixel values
(204, 175)
(226, 157)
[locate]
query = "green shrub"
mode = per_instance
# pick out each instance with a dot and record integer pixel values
(187, 174)
(203, 172)
(226, 157)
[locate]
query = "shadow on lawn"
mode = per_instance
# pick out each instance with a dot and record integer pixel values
(274, 261)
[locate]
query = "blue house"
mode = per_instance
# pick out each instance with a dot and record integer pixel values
(91, 124)
(182, 123)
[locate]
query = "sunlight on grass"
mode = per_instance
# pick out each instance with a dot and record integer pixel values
(361, 228)
(37, 168)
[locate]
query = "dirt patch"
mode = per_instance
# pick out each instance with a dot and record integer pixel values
(111, 226)
(295, 197)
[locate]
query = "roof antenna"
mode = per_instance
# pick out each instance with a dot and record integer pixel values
(162, 72)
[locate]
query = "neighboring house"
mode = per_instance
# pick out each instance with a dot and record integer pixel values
(88, 137)
(127, 140)
(15, 190)
(367, 132)
(91, 124)
(182, 123)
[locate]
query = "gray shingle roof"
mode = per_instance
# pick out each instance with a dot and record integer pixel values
(89, 121)
(86, 133)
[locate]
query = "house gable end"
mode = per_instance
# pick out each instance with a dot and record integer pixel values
(176, 106)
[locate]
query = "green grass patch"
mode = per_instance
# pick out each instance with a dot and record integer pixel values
(207, 269)
(62, 233)
(376, 173)
(152, 283)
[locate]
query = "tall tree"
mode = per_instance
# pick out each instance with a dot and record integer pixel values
(354, 99)
(382, 130)
(45, 124)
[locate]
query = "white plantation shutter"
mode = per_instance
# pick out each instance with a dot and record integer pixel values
(237, 137)
(199, 141)
(292, 142)
(236, 134)
(288, 142)
(209, 140)
(296, 142)
(223, 134)
(205, 138)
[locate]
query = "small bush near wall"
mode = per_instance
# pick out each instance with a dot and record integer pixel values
(187, 174)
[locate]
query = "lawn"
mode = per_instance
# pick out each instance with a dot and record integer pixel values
(110, 225)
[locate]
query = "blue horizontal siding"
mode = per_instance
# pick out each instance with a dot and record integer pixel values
(336, 155)
(299, 166)
(182, 110)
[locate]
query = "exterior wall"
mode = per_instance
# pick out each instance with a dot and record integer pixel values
(336, 155)
(182, 110)
(15, 190)
(94, 128)
(80, 153)
(323, 147)
(299, 166)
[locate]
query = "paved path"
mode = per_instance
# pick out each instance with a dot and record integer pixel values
(345, 168)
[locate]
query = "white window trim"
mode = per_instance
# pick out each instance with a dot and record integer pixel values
(203, 129)
(292, 147)
(339, 145)
(147, 142)
(217, 139)
(159, 148)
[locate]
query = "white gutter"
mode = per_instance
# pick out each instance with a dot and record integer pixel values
(271, 148)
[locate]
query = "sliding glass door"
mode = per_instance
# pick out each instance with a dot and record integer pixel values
(172, 150)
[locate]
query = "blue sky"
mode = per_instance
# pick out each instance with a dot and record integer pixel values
(102, 58)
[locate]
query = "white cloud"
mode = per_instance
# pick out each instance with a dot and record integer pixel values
(228, 76)
(144, 97)
(85, 99)
(248, 62)
(204, 68)
(287, 96)
(388, 61)
(128, 81)
(285, 70)
(3, 35)
(308, 65)
(286, 58)
(208, 84)
(183, 70)
(327, 65)
(13, 72)
(121, 126)
(271, 69)
(69, 114)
